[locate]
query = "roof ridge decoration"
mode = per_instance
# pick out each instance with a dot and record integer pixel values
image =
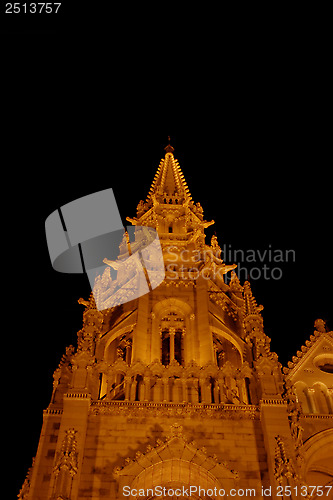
(320, 330)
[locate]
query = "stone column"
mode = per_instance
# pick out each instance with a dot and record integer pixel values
(127, 381)
(165, 389)
(141, 338)
(310, 394)
(221, 385)
(204, 390)
(205, 345)
(172, 332)
(184, 385)
(240, 382)
(133, 390)
(330, 400)
(146, 381)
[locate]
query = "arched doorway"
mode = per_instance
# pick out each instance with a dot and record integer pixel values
(178, 479)
(318, 462)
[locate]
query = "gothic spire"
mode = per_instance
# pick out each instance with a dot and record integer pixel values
(169, 183)
(250, 303)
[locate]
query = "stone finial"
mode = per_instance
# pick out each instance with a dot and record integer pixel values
(169, 148)
(320, 325)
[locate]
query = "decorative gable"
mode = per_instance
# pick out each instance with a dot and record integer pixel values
(172, 459)
(311, 372)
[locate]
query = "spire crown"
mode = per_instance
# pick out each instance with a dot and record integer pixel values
(169, 148)
(169, 181)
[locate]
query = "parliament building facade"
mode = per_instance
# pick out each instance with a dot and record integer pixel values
(177, 394)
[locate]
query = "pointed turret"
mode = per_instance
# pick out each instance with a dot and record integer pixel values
(265, 361)
(169, 207)
(252, 318)
(250, 303)
(169, 185)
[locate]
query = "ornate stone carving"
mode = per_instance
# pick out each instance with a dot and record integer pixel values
(66, 466)
(287, 471)
(176, 446)
(284, 466)
(67, 457)
(24, 492)
(164, 409)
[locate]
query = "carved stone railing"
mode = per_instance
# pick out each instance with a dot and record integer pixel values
(144, 408)
(317, 416)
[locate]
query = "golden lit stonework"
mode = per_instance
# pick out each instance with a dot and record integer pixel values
(177, 391)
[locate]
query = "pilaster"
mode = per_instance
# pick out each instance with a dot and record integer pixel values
(141, 352)
(74, 418)
(274, 420)
(206, 351)
(42, 465)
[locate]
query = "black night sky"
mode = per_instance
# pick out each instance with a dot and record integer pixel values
(255, 152)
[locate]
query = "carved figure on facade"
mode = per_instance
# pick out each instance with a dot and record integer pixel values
(66, 466)
(286, 471)
(213, 265)
(284, 466)
(236, 288)
(92, 324)
(294, 415)
(62, 375)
